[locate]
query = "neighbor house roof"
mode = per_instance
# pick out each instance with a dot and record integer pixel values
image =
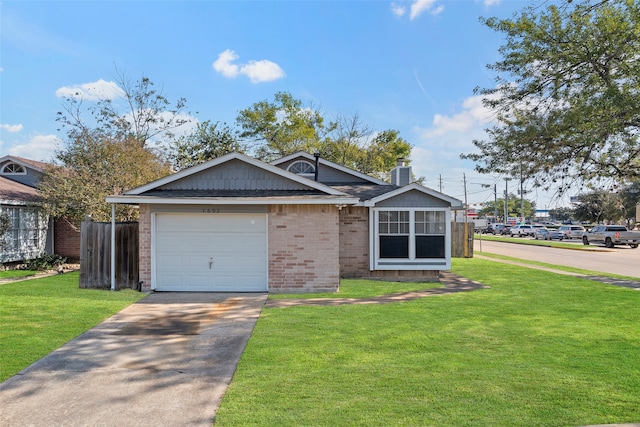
(14, 193)
(33, 164)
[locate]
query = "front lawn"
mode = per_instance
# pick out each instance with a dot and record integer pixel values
(537, 348)
(39, 315)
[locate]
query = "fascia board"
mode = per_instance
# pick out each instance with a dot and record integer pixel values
(451, 200)
(21, 162)
(228, 157)
(133, 199)
(331, 165)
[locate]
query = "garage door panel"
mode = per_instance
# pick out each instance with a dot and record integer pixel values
(222, 252)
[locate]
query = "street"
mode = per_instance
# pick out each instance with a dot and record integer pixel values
(623, 260)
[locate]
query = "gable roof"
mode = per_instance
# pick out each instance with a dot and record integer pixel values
(329, 164)
(186, 187)
(15, 193)
(453, 202)
(32, 164)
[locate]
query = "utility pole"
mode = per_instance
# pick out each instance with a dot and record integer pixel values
(440, 176)
(506, 200)
(495, 202)
(521, 195)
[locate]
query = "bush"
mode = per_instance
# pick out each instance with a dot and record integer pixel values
(45, 262)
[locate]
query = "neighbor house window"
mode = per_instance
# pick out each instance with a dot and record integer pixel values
(410, 239)
(13, 169)
(302, 168)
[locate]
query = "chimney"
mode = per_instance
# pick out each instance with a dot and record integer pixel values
(401, 174)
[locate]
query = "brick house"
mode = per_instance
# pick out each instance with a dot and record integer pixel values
(32, 231)
(298, 224)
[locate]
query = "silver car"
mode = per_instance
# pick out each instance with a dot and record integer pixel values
(572, 231)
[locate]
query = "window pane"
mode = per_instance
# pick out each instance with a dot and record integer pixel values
(429, 246)
(419, 228)
(394, 246)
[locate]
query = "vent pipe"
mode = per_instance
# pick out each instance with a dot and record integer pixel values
(315, 173)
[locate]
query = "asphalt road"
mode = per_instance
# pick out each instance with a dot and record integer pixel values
(622, 260)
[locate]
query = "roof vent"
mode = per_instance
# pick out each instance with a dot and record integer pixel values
(401, 174)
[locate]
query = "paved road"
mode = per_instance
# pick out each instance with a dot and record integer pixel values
(623, 260)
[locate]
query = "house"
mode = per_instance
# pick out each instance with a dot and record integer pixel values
(298, 224)
(32, 232)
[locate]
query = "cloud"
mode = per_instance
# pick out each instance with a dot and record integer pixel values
(474, 114)
(257, 71)
(40, 147)
(420, 6)
(397, 9)
(492, 2)
(11, 128)
(94, 91)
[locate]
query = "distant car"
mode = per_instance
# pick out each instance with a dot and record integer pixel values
(572, 231)
(522, 230)
(501, 229)
(546, 234)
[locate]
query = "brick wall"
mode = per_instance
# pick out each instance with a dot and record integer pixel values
(303, 249)
(144, 232)
(66, 239)
(354, 242)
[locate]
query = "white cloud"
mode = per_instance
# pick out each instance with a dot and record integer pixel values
(94, 91)
(473, 115)
(40, 147)
(420, 6)
(257, 71)
(397, 9)
(492, 2)
(11, 128)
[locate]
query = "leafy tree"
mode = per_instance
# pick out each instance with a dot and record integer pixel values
(488, 208)
(598, 206)
(630, 198)
(561, 214)
(147, 115)
(567, 95)
(206, 142)
(5, 226)
(94, 167)
(286, 126)
(281, 127)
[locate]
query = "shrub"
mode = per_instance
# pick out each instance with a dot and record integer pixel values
(45, 262)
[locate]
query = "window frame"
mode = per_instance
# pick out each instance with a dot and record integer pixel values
(309, 174)
(412, 262)
(5, 172)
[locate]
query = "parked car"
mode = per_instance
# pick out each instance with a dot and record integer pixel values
(544, 233)
(501, 229)
(572, 231)
(611, 235)
(521, 230)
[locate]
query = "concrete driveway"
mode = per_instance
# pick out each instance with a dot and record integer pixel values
(163, 361)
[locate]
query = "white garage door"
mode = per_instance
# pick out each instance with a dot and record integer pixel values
(211, 252)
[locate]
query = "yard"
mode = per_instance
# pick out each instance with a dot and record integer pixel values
(536, 348)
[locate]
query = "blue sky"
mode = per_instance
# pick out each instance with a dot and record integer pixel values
(404, 65)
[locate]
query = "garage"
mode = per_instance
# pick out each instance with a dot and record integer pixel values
(210, 252)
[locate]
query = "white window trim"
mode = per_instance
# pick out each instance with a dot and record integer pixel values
(303, 174)
(5, 172)
(376, 263)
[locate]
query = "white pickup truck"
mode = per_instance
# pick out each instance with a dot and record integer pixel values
(612, 235)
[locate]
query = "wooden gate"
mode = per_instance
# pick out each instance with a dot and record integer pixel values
(95, 255)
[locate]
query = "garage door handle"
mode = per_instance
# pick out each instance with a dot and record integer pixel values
(210, 263)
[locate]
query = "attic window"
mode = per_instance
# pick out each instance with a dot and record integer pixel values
(13, 169)
(302, 168)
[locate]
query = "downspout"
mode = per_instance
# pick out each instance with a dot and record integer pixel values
(113, 246)
(317, 156)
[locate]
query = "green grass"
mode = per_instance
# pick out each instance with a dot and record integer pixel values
(558, 267)
(39, 315)
(537, 348)
(363, 288)
(13, 274)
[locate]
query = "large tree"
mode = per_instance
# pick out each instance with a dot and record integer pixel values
(567, 95)
(112, 145)
(285, 126)
(207, 141)
(488, 208)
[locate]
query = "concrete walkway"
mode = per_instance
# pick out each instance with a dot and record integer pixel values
(163, 361)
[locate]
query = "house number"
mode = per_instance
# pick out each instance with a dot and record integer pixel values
(209, 210)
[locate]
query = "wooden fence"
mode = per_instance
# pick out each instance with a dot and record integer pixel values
(458, 240)
(95, 255)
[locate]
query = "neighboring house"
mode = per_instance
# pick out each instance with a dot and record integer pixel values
(32, 232)
(298, 224)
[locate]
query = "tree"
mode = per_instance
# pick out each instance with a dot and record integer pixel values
(5, 226)
(598, 206)
(206, 142)
(281, 127)
(286, 126)
(488, 208)
(95, 167)
(148, 114)
(561, 214)
(567, 94)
